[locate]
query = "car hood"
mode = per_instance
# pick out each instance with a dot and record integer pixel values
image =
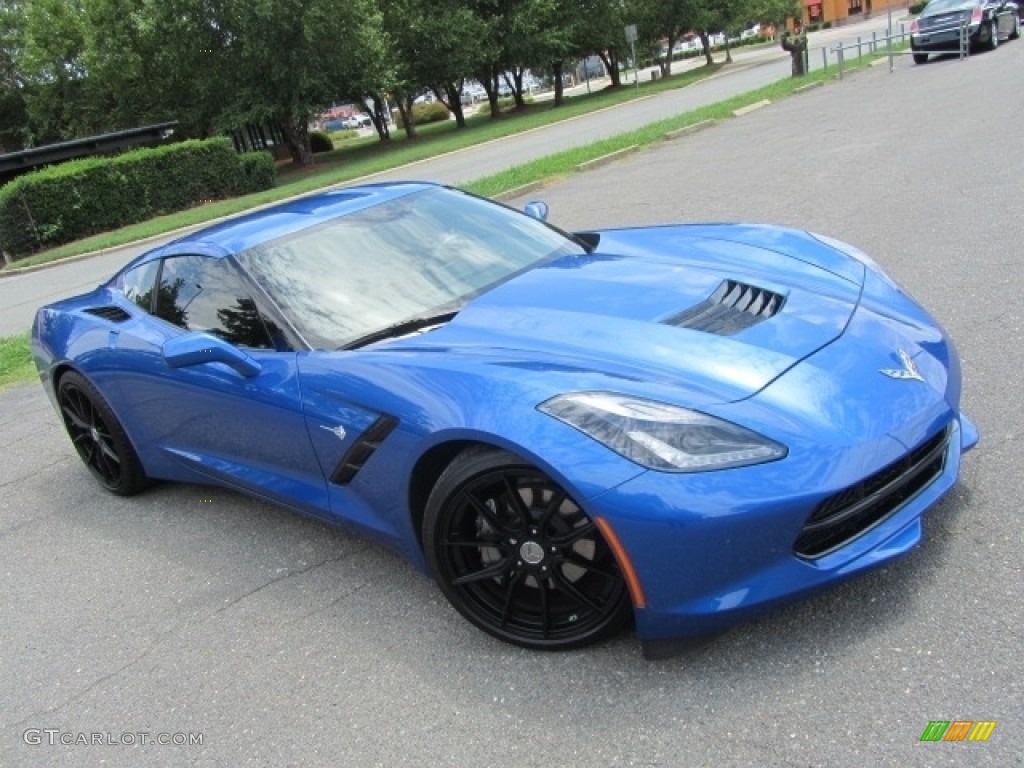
(622, 310)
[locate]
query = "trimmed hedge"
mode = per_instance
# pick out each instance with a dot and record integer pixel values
(72, 200)
(320, 142)
(429, 113)
(258, 171)
(505, 102)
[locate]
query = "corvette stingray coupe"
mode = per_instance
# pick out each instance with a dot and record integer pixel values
(679, 425)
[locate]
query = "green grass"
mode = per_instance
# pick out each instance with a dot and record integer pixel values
(16, 363)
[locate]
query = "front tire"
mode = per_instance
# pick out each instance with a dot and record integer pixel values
(1016, 28)
(98, 436)
(518, 557)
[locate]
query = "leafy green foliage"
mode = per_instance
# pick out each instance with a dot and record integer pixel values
(258, 172)
(68, 201)
(429, 113)
(320, 142)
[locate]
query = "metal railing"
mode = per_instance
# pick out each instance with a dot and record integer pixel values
(960, 26)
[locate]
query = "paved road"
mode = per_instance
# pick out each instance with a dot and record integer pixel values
(21, 295)
(287, 644)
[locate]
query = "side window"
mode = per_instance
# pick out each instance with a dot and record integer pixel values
(137, 284)
(204, 294)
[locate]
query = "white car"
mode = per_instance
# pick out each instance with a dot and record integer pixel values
(358, 121)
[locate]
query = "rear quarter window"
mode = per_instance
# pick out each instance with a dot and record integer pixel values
(137, 284)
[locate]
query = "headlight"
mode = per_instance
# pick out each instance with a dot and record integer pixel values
(660, 436)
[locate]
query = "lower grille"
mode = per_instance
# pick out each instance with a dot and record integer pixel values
(846, 515)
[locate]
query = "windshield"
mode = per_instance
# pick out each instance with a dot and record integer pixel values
(417, 256)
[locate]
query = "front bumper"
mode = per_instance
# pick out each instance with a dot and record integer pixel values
(729, 557)
(948, 40)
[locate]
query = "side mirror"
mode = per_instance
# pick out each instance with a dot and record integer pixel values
(198, 348)
(537, 210)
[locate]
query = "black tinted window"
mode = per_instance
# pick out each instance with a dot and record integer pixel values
(137, 284)
(202, 294)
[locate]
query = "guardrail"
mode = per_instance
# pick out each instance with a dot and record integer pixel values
(963, 44)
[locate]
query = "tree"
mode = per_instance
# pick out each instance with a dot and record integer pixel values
(542, 36)
(664, 22)
(602, 33)
(726, 15)
(285, 60)
(14, 125)
(51, 65)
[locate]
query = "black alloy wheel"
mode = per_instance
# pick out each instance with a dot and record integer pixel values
(98, 436)
(518, 557)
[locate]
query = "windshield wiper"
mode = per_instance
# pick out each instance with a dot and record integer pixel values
(401, 329)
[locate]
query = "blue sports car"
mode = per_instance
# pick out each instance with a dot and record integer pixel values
(678, 425)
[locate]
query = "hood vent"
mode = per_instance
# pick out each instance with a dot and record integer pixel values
(733, 307)
(111, 313)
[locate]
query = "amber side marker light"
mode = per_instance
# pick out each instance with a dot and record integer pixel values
(636, 592)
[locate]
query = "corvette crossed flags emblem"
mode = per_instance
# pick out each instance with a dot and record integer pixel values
(908, 371)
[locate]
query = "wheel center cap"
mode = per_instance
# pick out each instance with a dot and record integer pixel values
(531, 552)
(94, 434)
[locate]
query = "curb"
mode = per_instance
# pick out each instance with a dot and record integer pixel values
(686, 131)
(522, 189)
(808, 87)
(750, 108)
(605, 159)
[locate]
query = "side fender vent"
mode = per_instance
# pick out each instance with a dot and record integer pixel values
(111, 313)
(362, 449)
(733, 307)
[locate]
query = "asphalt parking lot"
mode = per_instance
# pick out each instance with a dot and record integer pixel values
(278, 642)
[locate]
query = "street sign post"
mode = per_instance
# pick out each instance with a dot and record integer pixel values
(631, 39)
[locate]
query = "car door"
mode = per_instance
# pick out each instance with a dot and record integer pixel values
(243, 429)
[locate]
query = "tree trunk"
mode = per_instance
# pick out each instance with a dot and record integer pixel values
(517, 86)
(380, 117)
(489, 81)
(556, 68)
(404, 104)
(705, 40)
(796, 43)
(728, 53)
(610, 58)
(296, 136)
(666, 64)
(450, 94)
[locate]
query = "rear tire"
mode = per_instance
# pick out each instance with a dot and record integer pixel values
(993, 34)
(98, 436)
(1016, 28)
(920, 58)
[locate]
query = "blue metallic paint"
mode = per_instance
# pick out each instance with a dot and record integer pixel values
(709, 548)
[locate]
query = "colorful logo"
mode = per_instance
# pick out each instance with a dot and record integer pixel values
(958, 730)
